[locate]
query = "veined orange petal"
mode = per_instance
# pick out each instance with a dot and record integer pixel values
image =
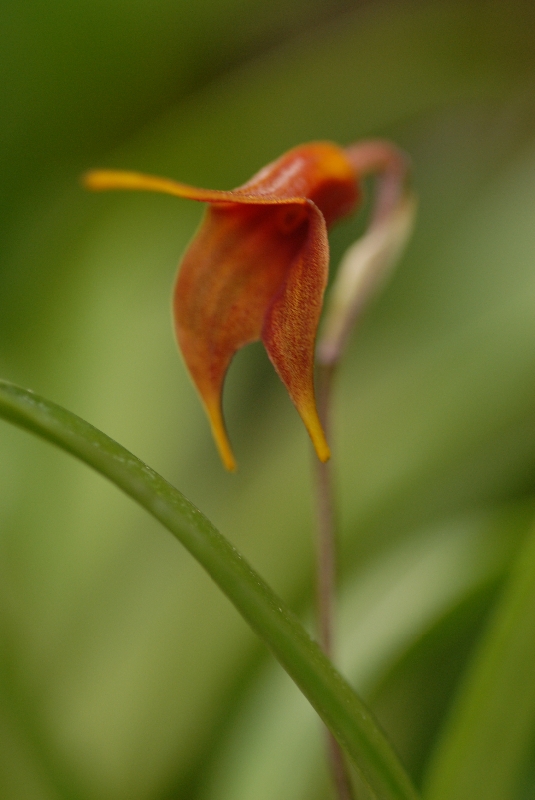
(229, 278)
(319, 171)
(291, 322)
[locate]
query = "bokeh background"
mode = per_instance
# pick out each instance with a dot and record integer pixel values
(124, 672)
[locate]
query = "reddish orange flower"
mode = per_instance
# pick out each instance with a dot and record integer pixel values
(257, 269)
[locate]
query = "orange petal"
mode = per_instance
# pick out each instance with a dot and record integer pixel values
(228, 279)
(290, 326)
(318, 171)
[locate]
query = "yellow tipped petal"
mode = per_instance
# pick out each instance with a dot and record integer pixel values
(103, 180)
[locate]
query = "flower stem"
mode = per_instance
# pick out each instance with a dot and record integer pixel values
(361, 273)
(326, 523)
(326, 571)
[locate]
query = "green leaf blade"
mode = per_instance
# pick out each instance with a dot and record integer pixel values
(485, 742)
(332, 697)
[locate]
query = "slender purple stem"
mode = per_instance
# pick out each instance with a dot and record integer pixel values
(389, 166)
(326, 571)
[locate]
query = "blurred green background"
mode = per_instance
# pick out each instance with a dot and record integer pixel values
(124, 673)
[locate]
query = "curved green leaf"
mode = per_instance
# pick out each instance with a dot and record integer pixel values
(485, 742)
(418, 601)
(334, 700)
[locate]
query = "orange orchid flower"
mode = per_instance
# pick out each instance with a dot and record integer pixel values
(257, 269)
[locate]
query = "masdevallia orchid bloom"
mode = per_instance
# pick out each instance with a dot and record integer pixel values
(257, 269)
